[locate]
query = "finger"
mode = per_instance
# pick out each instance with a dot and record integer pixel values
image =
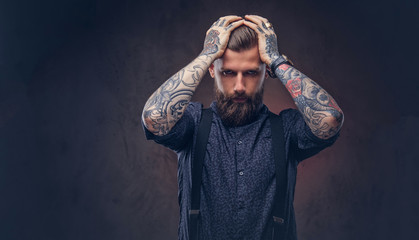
(222, 20)
(265, 27)
(234, 25)
(254, 19)
(260, 18)
(216, 22)
(254, 26)
(231, 19)
(231, 16)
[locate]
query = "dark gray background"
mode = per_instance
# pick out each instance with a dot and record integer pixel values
(75, 74)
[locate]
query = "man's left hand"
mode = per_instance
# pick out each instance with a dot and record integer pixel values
(268, 45)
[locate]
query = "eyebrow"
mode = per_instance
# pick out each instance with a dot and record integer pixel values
(251, 69)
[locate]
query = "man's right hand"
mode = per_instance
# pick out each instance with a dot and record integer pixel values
(218, 35)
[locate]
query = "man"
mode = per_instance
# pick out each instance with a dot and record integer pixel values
(238, 176)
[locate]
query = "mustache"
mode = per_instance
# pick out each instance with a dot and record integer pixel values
(237, 95)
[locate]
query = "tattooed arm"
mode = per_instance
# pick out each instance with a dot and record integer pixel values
(168, 103)
(320, 110)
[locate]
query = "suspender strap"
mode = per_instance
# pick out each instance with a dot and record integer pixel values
(198, 162)
(280, 207)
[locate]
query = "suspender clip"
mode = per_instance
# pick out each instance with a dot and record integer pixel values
(278, 220)
(193, 212)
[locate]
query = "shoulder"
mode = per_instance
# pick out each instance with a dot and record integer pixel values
(194, 107)
(194, 111)
(290, 117)
(295, 125)
(289, 113)
(180, 135)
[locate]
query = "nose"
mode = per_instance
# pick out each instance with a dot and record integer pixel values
(239, 86)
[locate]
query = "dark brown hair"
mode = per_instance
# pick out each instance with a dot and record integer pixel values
(242, 38)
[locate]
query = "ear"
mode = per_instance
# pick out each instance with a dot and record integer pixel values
(211, 70)
(267, 71)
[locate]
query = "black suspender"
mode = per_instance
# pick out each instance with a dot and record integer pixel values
(281, 176)
(198, 162)
(278, 144)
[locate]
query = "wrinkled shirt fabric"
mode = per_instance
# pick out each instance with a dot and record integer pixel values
(238, 178)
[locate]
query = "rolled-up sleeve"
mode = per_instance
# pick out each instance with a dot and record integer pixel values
(181, 133)
(302, 142)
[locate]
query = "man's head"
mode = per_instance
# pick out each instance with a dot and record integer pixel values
(239, 75)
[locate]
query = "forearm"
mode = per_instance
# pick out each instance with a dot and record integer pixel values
(168, 103)
(320, 110)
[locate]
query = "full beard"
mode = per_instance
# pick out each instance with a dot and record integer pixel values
(234, 114)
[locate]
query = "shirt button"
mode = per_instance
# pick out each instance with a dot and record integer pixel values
(241, 173)
(239, 142)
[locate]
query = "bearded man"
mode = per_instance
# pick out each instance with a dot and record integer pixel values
(239, 181)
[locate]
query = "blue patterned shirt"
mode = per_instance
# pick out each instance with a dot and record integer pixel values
(238, 178)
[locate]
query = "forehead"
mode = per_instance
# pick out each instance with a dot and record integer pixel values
(243, 60)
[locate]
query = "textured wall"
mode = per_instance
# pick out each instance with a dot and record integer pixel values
(74, 76)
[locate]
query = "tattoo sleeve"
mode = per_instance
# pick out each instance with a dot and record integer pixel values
(168, 103)
(320, 110)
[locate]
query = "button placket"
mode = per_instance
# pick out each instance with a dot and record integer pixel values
(241, 179)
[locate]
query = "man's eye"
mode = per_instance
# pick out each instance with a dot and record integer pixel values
(227, 73)
(252, 73)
